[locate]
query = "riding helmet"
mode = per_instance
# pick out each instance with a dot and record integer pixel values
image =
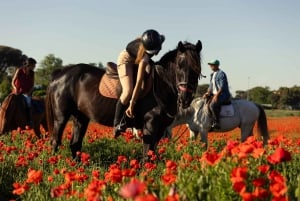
(152, 41)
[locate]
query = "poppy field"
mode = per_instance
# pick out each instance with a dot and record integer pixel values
(110, 169)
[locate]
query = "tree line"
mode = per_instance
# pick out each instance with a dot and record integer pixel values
(282, 98)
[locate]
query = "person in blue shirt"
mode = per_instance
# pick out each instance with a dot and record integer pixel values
(217, 92)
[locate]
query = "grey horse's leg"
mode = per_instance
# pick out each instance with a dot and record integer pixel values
(204, 135)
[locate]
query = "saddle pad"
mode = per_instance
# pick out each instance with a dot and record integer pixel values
(108, 87)
(227, 110)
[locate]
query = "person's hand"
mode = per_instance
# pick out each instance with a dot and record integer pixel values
(16, 91)
(206, 95)
(215, 99)
(129, 111)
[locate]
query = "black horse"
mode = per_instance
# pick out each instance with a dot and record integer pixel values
(73, 91)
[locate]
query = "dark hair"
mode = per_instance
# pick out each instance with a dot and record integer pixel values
(31, 61)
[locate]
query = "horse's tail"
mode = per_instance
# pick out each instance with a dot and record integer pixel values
(262, 124)
(49, 111)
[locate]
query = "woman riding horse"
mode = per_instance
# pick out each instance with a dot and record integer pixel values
(137, 55)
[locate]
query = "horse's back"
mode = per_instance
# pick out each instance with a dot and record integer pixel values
(75, 91)
(246, 108)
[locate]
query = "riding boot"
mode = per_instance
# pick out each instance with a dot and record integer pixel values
(119, 121)
(216, 122)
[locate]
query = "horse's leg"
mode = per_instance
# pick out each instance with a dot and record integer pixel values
(246, 131)
(58, 129)
(36, 124)
(204, 140)
(154, 127)
(80, 124)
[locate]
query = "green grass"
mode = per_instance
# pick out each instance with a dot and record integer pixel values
(282, 113)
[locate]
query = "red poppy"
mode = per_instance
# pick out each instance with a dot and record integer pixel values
(278, 189)
(149, 166)
(171, 165)
(239, 172)
(85, 158)
(21, 162)
(187, 157)
(279, 155)
(276, 177)
(34, 176)
(261, 193)
(211, 158)
(263, 168)
(258, 182)
(114, 175)
(19, 188)
(148, 197)
(57, 192)
(168, 178)
(134, 164)
(96, 174)
(93, 191)
(132, 189)
(121, 159)
(239, 186)
(247, 196)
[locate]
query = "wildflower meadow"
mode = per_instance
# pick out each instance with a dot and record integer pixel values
(110, 169)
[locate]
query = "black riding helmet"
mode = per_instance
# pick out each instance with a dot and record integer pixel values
(152, 41)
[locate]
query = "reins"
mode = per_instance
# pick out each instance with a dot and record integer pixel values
(178, 137)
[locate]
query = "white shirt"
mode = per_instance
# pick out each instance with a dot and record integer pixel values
(214, 87)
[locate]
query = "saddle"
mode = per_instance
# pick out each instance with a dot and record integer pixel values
(227, 110)
(110, 85)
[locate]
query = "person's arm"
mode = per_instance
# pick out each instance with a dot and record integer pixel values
(222, 82)
(15, 88)
(137, 87)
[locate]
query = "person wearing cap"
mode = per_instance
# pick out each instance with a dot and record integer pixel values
(135, 58)
(217, 92)
(23, 82)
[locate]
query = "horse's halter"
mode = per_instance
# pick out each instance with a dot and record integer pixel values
(186, 82)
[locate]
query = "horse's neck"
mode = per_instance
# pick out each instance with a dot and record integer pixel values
(202, 110)
(164, 90)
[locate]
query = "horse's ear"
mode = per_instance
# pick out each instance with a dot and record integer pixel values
(199, 46)
(180, 46)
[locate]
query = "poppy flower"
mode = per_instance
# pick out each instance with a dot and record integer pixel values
(168, 178)
(279, 155)
(258, 182)
(148, 197)
(263, 168)
(211, 158)
(19, 188)
(171, 165)
(132, 189)
(34, 176)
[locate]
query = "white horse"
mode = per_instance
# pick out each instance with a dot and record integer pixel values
(240, 113)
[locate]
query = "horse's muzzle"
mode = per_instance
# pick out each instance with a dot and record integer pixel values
(185, 96)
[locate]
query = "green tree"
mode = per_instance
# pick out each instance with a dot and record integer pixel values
(5, 86)
(241, 94)
(45, 69)
(260, 94)
(201, 89)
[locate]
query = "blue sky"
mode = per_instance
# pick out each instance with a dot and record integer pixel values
(257, 41)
